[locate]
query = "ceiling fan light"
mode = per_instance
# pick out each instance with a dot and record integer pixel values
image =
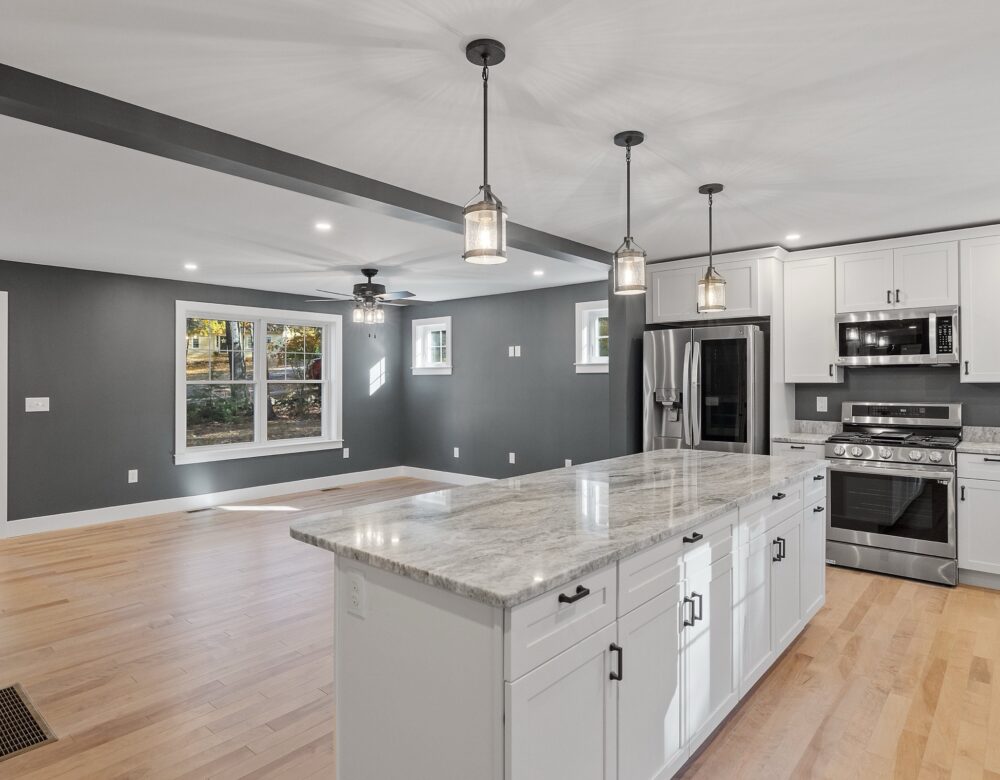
(629, 270)
(358, 315)
(485, 232)
(379, 315)
(369, 316)
(711, 291)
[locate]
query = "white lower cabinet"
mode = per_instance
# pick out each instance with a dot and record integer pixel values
(650, 715)
(979, 525)
(786, 611)
(755, 612)
(562, 717)
(813, 564)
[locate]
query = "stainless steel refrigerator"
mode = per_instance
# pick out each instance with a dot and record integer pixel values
(705, 389)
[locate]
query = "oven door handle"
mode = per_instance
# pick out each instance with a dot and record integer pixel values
(915, 471)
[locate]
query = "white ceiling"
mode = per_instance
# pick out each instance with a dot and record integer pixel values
(71, 201)
(834, 120)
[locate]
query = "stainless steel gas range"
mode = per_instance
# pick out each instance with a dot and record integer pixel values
(892, 490)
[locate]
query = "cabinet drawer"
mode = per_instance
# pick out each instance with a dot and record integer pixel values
(796, 448)
(765, 513)
(978, 466)
(540, 629)
(814, 487)
(649, 573)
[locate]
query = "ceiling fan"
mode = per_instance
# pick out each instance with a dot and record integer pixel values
(369, 297)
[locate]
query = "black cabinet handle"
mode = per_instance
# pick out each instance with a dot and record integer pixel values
(831, 369)
(616, 648)
(966, 367)
(776, 558)
(963, 493)
(581, 592)
(781, 548)
(818, 478)
(778, 496)
(819, 508)
(695, 537)
(683, 605)
(888, 296)
(796, 446)
(897, 296)
(697, 615)
(991, 460)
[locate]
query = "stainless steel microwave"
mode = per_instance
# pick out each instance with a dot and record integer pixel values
(898, 337)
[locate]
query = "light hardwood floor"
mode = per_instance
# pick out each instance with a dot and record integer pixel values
(196, 646)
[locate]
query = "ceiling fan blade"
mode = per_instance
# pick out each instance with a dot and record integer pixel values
(395, 296)
(390, 303)
(323, 300)
(331, 292)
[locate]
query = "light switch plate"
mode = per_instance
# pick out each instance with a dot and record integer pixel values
(517, 350)
(347, 452)
(821, 403)
(133, 476)
(568, 463)
(36, 404)
(511, 457)
(510, 351)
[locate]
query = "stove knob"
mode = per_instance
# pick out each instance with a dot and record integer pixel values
(916, 455)
(885, 453)
(857, 452)
(838, 449)
(934, 457)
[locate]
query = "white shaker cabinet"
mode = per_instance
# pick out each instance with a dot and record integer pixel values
(980, 316)
(672, 291)
(755, 612)
(810, 333)
(925, 276)
(864, 281)
(813, 569)
(651, 743)
(562, 717)
(786, 610)
(979, 525)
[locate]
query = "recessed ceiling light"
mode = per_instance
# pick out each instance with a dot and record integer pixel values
(190, 266)
(324, 227)
(538, 273)
(792, 237)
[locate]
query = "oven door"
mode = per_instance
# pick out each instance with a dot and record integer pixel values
(907, 508)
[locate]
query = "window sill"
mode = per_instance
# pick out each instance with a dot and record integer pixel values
(426, 371)
(591, 368)
(209, 455)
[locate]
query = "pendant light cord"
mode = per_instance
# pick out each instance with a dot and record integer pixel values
(486, 140)
(710, 232)
(628, 195)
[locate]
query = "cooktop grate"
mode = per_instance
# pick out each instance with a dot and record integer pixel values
(21, 727)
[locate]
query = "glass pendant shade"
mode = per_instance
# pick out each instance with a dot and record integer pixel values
(485, 232)
(630, 270)
(358, 314)
(711, 291)
(369, 316)
(379, 315)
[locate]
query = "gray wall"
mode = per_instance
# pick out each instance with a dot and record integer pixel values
(981, 403)
(101, 346)
(536, 405)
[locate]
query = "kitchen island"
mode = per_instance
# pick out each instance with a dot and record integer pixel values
(597, 621)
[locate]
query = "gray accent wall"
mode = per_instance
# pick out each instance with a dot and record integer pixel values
(981, 403)
(101, 346)
(535, 405)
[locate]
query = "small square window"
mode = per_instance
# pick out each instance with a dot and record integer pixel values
(593, 343)
(432, 345)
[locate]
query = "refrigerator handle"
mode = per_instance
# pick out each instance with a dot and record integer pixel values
(695, 396)
(686, 400)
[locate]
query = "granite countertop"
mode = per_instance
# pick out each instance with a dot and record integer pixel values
(980, 440)
(802, 438)
(507, 541)
(980, 447)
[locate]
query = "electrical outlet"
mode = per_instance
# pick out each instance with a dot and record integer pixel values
(36, 404)
(568, 463)
(357, 596)
(456, 452)
(517, 351)
(510, 351)
(510, 457)
(347, 452)
(821, 403)
(133, 476)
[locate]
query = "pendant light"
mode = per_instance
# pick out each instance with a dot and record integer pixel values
(630, 258)
(711, 287)
(485, 218)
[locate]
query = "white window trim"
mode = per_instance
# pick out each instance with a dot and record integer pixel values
(333, 362)
(586, 363)
(427, 324)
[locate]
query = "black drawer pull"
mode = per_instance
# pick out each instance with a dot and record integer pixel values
(581, 592)
(695, 537)
(991, 460)
(966, 367)
(697, 615)
(781, 548)
(684, 611)
(796, 446)
(818, 478)
(776, 558)
(616, 648)
(963, 493)
(819, 509)
(778, 496)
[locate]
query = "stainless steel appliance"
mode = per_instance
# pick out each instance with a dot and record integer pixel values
(705, 388)
(892, 490)
(898, 337)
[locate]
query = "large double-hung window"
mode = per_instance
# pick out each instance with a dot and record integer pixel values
(254, 382)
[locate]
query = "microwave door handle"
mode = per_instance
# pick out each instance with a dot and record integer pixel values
(686, 392)
(696, 394)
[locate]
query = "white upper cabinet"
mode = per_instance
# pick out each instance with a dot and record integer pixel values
(810, 334)
(909, 278)
(864, 282)
(980, 320)
(925, 276)
(672, 294)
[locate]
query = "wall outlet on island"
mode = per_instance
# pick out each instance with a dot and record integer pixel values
(356, 596)
(133, 476)
(821, 403)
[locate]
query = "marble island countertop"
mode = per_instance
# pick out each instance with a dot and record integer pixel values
(507, 541)
(801, 438)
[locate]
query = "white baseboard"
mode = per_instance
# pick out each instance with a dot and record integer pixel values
(69, 520)
(979, 579)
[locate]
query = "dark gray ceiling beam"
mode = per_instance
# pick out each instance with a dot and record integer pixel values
(44, 101)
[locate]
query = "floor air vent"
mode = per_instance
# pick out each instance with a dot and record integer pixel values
(21, 727)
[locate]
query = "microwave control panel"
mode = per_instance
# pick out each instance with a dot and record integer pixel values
(945, 336)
